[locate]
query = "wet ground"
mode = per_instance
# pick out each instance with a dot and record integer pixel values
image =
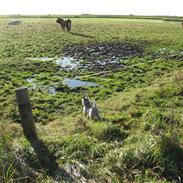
(74, 83)
(40, 58)
(104, 56)
(168, 54)
(16, 22)
(64, 63)
(98, 57)
(67, 62)
(57, 87)
(81, 59)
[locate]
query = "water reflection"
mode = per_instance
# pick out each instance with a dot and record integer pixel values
(67, 62)
(73, 83)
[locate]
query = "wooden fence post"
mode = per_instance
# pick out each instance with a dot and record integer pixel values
(25, 111)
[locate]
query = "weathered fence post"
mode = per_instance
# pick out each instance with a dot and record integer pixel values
(25, 111)
(46, 158)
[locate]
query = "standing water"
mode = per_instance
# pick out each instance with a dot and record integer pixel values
(66, 62)
(73, 83)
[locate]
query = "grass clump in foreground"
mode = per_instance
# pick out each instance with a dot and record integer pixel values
(145, 156)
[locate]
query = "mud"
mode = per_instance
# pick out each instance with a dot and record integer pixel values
(167, 54)
(104, 56)
(16, 22)
(81, 59)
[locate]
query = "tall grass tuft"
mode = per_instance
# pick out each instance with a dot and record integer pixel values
(178, 78)
(158, 156)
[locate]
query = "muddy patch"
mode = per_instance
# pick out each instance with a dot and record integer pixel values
(105, 52)
(16, 22)
(104, 56)
(74, 83)
(167, 54)
(96, 57)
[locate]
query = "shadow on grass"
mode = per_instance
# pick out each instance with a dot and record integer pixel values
(48, 161)
(81, 35)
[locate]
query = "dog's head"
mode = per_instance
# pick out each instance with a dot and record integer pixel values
(60, 20)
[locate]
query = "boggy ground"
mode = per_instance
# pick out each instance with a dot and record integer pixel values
(104, 56)
(139, 93)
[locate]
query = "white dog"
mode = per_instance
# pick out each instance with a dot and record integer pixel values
(86, 105)
(93, 112)
(90, 109)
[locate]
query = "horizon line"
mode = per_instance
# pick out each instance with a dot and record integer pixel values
(89, 14)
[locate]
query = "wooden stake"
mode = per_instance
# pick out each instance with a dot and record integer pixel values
(25, 111)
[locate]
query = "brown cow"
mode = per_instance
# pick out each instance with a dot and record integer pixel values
(61, 22)
(65, 24)
(68, 25)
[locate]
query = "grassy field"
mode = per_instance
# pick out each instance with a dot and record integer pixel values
(137, 66)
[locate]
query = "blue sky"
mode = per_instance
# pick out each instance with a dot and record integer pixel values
(116, 7)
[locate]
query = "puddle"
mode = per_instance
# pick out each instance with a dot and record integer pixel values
(100, 62)
(96, 57)
(63, 62)
(51, 90)
(94, 63)
(47, 89)
(32, 82)
(73, 83)
(67, 62)
(40, 58)
(162, 50)
(34, 86)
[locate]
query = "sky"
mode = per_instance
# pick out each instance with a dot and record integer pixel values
(108, 7)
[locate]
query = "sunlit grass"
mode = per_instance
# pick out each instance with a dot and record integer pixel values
(140, 136)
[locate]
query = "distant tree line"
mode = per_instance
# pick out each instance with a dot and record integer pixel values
(131, 16)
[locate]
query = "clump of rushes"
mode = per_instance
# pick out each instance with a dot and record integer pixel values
(107, 132)
(149, 156)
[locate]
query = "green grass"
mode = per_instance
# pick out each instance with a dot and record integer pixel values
(140, 138)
